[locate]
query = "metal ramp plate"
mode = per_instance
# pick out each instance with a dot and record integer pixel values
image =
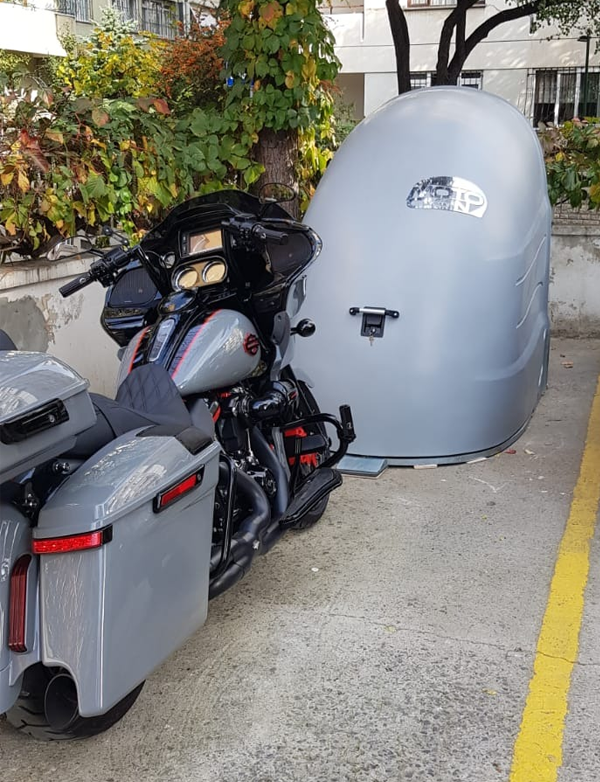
(364, 466)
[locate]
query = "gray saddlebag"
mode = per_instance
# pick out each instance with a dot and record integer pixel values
(44, 404)
(112, 614)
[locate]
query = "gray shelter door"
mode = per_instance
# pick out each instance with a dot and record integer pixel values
(435, 210)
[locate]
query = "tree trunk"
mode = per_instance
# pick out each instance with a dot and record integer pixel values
(278, 153)
(455, 19)
(401, 37)
(455, 66)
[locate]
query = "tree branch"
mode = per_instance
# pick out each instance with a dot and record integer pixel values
(485, 28)
(401, 38)
(451, 21)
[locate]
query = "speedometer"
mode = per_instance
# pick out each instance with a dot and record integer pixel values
(214, 272)
(187, 278)
(200, 274)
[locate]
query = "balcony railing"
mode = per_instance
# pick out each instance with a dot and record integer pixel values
(80, 9)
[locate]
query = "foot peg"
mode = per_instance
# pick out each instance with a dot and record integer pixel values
(316, 487)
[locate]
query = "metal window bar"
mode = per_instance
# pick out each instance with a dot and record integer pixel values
(159, 18)
(472, 79)
(557, 94)
(437, 3)
(127, 9)
(80, 9)
(420, 79)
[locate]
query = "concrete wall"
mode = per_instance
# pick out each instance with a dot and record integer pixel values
(575, 275)
(34, 314)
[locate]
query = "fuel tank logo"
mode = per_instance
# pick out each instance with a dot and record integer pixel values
(449, 193)
(251, 344)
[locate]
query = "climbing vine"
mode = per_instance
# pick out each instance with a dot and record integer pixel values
(126, 130)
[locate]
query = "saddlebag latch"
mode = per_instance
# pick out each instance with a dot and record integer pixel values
(373, 320)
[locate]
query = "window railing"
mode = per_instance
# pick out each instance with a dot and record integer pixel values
(420, 79)
(159, 18)
(127, 9)
(437, 3)
(80, 9)
(560, 94)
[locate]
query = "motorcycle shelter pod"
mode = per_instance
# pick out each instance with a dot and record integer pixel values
(434, 215)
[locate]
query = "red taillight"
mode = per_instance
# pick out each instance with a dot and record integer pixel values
(17, 608)
(88, 540)
(176, 492)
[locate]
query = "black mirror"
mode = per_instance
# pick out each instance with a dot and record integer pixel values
(108, 230)
(68, 248)
(276, 193)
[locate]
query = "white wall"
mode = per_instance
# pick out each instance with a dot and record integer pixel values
(34, 314)
(364, 46)
(575, 280)
(29, 28)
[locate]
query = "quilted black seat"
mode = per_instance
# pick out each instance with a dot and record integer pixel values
(147, 397)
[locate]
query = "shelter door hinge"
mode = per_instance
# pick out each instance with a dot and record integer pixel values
(373, 320)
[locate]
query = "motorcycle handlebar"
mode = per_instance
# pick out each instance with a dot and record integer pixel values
(249, 232)
(102, 271)
(76, 285)
(270, 235)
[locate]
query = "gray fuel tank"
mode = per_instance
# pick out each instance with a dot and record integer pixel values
(435, 209)
(220, 351)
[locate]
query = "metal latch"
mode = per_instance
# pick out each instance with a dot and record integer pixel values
(373, 321)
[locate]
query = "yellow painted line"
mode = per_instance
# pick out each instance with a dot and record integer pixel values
(538, 749)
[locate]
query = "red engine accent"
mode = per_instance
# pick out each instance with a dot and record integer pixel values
(251, 344)
(311, 459)
(17, 607)
(137, 347)
(298, 432)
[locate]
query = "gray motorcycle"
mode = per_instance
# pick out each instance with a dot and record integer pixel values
(121, 518)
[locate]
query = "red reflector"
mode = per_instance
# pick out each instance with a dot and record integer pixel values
(71, 543)
(175, 492)
(17, 607)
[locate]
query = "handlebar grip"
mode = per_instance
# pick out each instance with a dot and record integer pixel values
(75, 285)
(270, 235)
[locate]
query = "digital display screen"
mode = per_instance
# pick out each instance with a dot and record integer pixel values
(204, 242)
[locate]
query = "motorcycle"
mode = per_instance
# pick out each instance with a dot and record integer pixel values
(121, 518)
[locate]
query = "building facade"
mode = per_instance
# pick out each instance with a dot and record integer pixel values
(541, 72)
(36, 28)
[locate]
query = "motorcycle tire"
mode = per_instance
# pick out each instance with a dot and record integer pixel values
(309, 406)
(28, 715)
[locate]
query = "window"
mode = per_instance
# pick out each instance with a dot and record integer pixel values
(80, 9)
(127, 8)
(559, 95)
(471, 79)
(420, 79)
(437, 3)
(159, 18)
(591, 108)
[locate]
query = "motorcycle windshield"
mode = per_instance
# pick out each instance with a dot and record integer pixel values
(220, 204)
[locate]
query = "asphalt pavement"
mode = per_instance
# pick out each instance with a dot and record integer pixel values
(394, 641)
